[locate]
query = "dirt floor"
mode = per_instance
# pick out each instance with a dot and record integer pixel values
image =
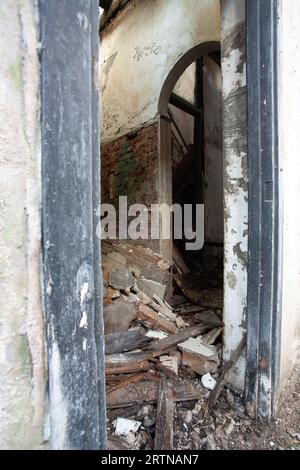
(228, 428)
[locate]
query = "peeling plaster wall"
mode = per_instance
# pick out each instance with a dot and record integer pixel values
(235, 180)
(22, 384)
(139, 49)
(289, 124)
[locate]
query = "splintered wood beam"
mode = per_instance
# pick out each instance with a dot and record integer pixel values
(146, 392)
(129, 363)
(167, 343)
(164, 417)
(213, 397)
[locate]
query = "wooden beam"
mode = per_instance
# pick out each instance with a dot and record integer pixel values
(184, 105)
(164, 417)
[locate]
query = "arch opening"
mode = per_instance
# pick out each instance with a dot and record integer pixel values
(191, 163)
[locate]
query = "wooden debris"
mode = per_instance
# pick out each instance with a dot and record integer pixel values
(164, 417)
(147, 314)
(164, 309)
(151, 288)
(213, 397)
(211, 336)
(180, 323)
(168, 343)
(199, 357)
(113, 443)
(189, 310)
(126, 380)
(146, 392)
(129, 363)
(170, 362)
(118, 316)
(126, 412)
(140, 260)
(126, 341)
(179, 261)
(113, 294)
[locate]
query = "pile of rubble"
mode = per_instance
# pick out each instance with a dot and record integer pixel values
(157, 353)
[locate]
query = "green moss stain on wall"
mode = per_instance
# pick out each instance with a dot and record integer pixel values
(15, 74)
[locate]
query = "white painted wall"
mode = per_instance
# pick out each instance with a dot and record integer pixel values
(22, 374)
(289, 126)
(139, 49)
(185, 86)
(235, 182)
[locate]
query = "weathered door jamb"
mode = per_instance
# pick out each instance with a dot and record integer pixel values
(71, 195)
(264, 262)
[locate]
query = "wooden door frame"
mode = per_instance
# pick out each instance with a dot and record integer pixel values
(70, 197)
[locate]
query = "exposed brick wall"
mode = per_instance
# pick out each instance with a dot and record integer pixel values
(129, 167)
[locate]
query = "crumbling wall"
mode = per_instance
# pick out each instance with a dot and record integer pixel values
(22, 384)
(129, 167)
(289, 123)
(235, 180)
(139, 48)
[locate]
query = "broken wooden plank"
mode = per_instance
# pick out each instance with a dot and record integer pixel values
(129, 362)
(146, 392)
(211, 336)
(125, 380)
(126, 412)
(147, 314)
(164, 417)
(213, 397)
(164, 309)
(179, 261)
(189, 310)
(127, 341)
(167, 343)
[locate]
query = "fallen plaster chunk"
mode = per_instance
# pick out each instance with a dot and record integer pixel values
(200, 357)
(156, 334)
(208, 382)
(196, 346)
(124, 426)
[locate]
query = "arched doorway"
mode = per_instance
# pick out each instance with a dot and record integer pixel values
(191, 174)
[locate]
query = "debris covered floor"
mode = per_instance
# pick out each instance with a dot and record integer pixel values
(163, 345)
(164, 385)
